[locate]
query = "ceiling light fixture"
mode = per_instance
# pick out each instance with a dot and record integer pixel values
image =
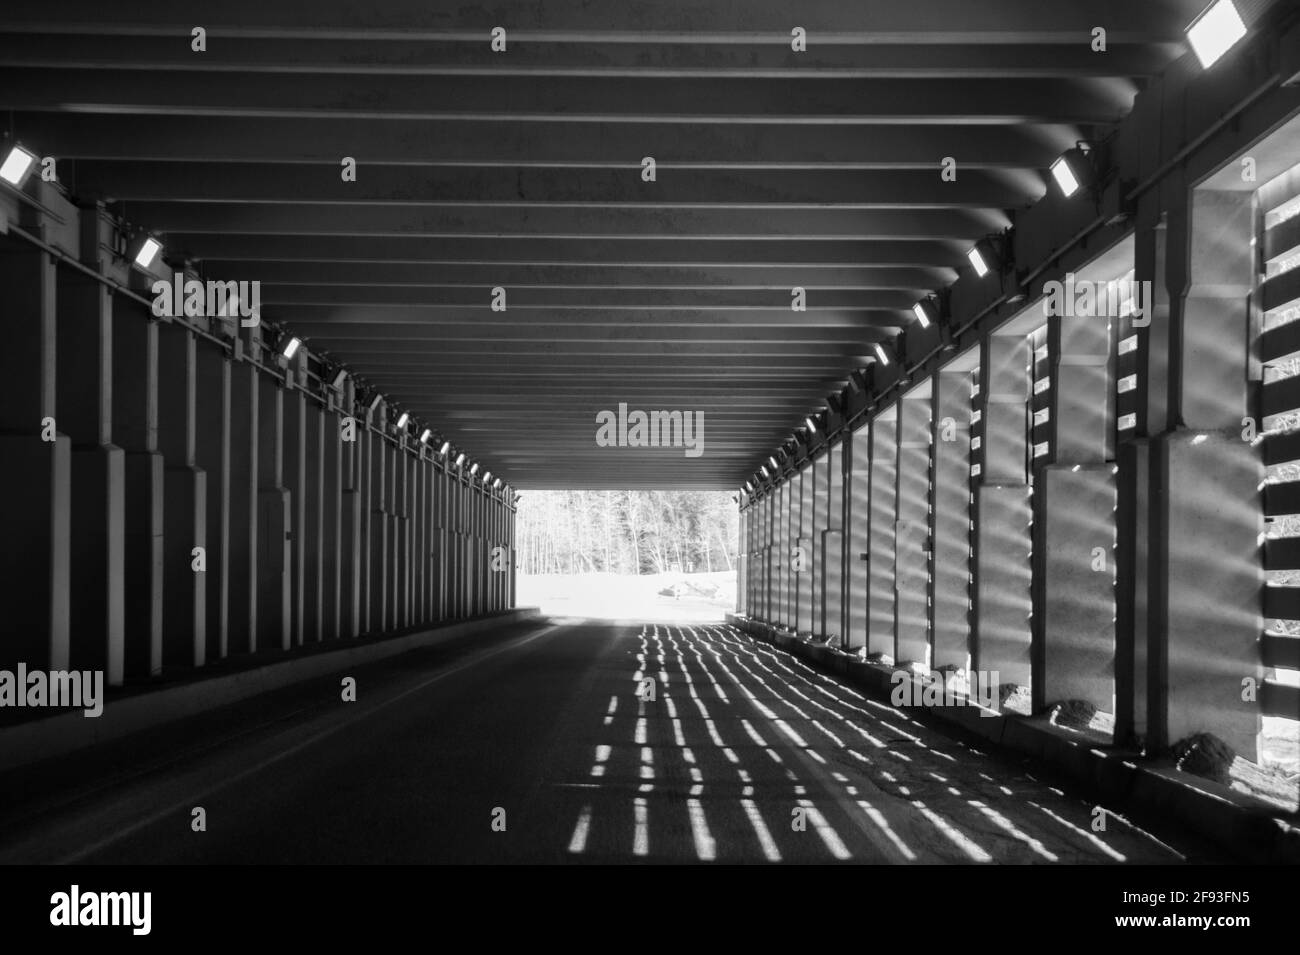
(1215, 32)
(17, 166)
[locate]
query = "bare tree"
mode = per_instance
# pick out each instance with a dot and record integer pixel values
(626, 531)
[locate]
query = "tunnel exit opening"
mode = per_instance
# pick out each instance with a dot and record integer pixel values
(658, 555)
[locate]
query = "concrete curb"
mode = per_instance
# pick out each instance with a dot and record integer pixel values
(1235, 822)
(67, 732)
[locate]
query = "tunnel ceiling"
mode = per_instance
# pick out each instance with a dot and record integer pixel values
(523, 169)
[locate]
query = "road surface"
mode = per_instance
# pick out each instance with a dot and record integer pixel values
(539, 742)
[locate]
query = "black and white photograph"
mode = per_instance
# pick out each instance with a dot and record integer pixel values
(466, 436)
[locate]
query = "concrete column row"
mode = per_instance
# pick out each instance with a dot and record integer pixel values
(997, 517)
(175, 498)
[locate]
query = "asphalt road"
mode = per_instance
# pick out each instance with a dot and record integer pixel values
(534, 744)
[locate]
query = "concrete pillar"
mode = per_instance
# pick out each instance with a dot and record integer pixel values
(244, 448)
(507, 526)
(417, 547)
(475, 549)
(804, 557)
(440, 550)
(1003, 574)
(486, 549)
(304, 480)
(758, 564)
(469, 498)
(507, 556)
(468, 547)
(437, 543)
(490, 575)
(274, 522)
(397, 584)
(414, 538)
(407, 520)
(508, 538)
(912, 531)
(494, 576)
(212, 453)
(503, 533)
(506, 521)
(1135, 579)
(843, 505)
(819, 473)
(882, 527)
(474, 546)
(792, 515)
(442, 556)
(483, 550)
(428, 539)
(771, 564)
(1003, 396)
(742, 565)
(1214, 585)
(457, 545)
(753, 563)
(367, 449)
(464, 574)
(185, 501)
(454, 549)
(35, 570)
(135, 418)
(489, 542)
(1083, 412)
(951, 531)
(859, 494)
(447, 545)
(352, 510)
(450, 543)
(377, 620)
(780, 528)
(480, 549)
(757, 567)
(789, 517)
(832, 546)
(331, 504)
(512, 532)
(1078, 657)
(756, 561)
(1207, 620)
(1074, 517)
(393, 584)
(1003, 578)
(98, 472)
(304, 467)
(317, 515)
(294, 481)
(502, 542)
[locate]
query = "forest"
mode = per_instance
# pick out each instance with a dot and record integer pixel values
(626, 532)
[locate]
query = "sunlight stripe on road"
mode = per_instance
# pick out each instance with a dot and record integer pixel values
(765, 839)
(578, 843)
(962, 841)
(876, 816)
(641, 838)
(705, 847)
(834, 844)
